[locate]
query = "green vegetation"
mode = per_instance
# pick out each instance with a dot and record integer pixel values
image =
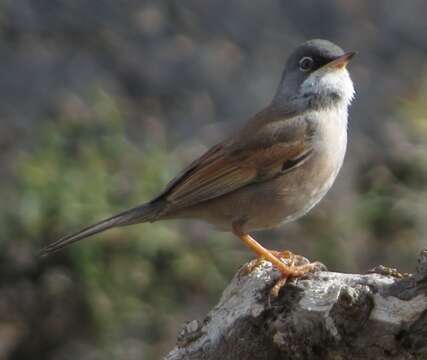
(140, 283)
(393, 191)
(81, 170)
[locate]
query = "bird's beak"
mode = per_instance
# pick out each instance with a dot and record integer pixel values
(341, 61)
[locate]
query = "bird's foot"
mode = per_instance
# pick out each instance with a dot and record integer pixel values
(299, 267)
(294, 266)
(286, 257)
(387, 271)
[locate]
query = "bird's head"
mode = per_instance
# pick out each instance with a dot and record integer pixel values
(316, 76)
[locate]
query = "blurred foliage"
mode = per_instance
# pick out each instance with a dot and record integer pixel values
(127, 291)
(131, 288)
(80, 170)
(393, 192)
(165, 72)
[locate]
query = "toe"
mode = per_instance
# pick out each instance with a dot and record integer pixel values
(274, 292)
(251, 266)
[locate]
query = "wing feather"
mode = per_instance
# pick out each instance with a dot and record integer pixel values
(263, 153)
(209, 180)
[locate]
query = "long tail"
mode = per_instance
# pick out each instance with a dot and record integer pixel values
(139, 214)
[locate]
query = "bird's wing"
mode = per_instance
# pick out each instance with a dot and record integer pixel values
(265, 151)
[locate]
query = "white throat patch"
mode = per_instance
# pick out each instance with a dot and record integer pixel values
(324, 82)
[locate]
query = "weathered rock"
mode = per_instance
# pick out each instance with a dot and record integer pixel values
(326, 315)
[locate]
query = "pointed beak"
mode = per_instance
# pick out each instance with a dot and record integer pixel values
(341, 61)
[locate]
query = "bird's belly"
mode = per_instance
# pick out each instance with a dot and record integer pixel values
(269, 204)
(281, 203)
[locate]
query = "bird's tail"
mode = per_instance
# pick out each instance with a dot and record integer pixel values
(143, 213)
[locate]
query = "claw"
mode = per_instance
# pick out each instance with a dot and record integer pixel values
(274, 292)
(297, 266)
(299, 271)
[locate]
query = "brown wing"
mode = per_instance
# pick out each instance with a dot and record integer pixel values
(215, 174)
(264, 153)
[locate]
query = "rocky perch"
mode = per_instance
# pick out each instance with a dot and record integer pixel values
(325, 315)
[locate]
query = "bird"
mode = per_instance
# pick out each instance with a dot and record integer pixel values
(272, 170)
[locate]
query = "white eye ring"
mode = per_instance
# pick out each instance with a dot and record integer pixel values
(305, 63)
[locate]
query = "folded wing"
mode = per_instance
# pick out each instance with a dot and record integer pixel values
(233, 164)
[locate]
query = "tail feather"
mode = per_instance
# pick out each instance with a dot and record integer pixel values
(139, 214)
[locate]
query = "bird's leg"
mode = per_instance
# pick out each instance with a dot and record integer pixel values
(264, 254)
(285, 256)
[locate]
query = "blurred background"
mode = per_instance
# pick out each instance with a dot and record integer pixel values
(103, 102)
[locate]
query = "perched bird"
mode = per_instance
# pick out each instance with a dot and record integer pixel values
(273, 170)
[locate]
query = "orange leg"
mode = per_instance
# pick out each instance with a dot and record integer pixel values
(285, 256)
(273, 257)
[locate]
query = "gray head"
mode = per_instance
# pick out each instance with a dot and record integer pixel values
(316, 76)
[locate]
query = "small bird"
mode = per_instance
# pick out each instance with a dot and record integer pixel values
(273, 170)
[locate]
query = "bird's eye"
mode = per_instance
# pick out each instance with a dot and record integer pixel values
(306, 63)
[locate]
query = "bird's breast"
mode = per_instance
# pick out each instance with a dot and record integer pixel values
(312, 181)
(330, 137)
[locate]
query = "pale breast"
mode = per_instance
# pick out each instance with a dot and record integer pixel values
(329, 146)
(330, 137)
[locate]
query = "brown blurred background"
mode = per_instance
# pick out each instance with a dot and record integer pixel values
(102, 102)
